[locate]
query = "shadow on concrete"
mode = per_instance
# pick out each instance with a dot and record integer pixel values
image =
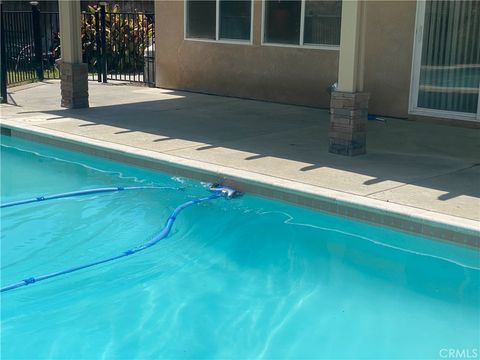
(400, 151)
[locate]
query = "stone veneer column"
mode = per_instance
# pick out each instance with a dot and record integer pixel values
(349, 104)
(73, 73)
(74, 85)
(348, 123)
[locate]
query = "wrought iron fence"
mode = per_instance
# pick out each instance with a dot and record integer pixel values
(116, 45)
(50, 34)
(19, 50)
(119, 45)
(130, 60)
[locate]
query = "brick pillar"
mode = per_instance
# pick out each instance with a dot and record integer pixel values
(74, 85)
(348, 123)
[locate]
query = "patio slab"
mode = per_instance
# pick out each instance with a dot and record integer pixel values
(420, 165)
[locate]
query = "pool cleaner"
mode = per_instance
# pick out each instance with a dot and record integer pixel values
(217, 191)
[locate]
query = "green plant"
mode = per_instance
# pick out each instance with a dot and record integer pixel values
(127, 37)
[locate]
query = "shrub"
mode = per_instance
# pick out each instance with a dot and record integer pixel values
(127, 37)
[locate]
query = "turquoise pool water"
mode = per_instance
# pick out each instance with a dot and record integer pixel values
(242, 278)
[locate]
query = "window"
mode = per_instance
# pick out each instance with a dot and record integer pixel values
(201, 19)
(282, 22)
(322, 22)
(302, 22)
(218, 19)
(235, 19)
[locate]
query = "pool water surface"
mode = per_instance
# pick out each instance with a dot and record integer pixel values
(243, 278)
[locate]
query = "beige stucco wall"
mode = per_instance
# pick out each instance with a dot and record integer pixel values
(388, 55)
(290, 75)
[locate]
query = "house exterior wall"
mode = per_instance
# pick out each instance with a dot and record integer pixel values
(389, 37)
(285, 74)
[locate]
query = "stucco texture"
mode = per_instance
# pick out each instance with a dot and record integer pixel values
(389, 37)
(288, 75)
(283, 74)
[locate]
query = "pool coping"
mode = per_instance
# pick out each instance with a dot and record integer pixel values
(400, 217)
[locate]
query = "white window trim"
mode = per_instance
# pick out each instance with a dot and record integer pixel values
(415, 77)
(302, 29)
(217, 39)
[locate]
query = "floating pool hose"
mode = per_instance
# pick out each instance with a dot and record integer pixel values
(81, 193)
(218, 191)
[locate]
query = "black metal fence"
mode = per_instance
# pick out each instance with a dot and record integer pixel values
(19, 50)
(116, 45)
(119, 46)
(50, 42)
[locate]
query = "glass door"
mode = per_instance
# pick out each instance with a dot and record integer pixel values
(446, 60)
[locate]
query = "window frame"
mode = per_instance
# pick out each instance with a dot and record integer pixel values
(217, 27)
(301, 44)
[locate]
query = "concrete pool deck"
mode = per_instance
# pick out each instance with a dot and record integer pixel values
(419, 169)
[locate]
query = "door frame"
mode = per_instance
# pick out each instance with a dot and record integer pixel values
(415, 76)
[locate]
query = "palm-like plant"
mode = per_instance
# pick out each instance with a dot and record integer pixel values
(127, 36)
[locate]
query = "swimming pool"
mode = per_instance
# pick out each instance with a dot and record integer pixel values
(242, 278)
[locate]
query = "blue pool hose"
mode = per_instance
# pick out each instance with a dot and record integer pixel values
(218, 192)
(81, 193)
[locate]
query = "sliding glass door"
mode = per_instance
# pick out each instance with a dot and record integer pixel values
(446, 62)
